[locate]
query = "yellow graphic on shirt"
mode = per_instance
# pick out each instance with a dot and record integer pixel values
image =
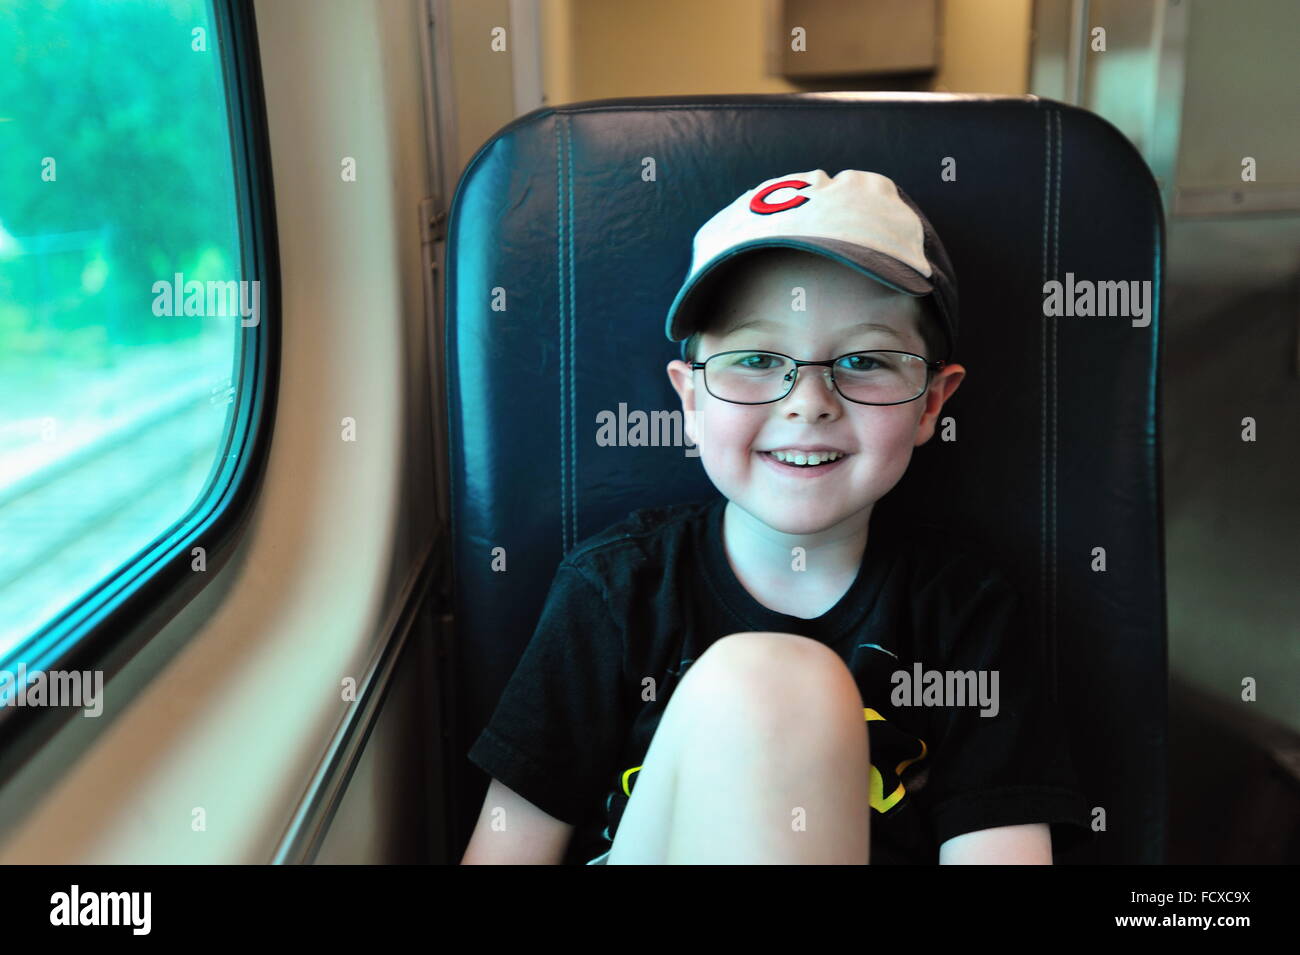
(879, 801)
(627, 790)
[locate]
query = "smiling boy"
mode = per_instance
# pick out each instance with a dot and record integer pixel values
(720, 681)
(775, 506)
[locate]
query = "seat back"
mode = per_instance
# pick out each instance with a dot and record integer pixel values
(570, 232)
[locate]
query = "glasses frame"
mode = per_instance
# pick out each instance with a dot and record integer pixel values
(930, 368)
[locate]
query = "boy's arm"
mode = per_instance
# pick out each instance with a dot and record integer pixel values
(529, 837)
(1029, 844)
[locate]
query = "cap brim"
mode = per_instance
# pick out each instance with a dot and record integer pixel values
(897, 275)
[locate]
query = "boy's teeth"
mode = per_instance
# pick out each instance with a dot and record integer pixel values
(805, 459)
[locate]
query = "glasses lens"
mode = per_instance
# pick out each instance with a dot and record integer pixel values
(880, 377)
(749, 377)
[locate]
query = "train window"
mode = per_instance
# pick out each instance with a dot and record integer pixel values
(130, 316)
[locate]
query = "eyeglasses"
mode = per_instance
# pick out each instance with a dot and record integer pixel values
(865, 377)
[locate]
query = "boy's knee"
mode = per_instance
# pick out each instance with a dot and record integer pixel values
(772, 649)
(777, 670)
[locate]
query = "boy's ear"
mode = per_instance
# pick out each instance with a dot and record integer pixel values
(683, 382)
(940, 390)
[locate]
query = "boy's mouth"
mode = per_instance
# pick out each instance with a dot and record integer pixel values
(791, 467)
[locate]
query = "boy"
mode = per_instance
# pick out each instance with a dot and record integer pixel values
(699, 681)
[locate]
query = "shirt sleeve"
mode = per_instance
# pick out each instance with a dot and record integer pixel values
(558, 727)
(1010, 767)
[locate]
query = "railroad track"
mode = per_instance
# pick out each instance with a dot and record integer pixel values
(70, 524)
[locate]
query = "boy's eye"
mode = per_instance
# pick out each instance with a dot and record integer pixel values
(859, 362)
(757, 360)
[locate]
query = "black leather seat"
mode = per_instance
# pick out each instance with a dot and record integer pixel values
(1057, 451)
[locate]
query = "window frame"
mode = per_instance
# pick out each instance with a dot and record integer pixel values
(107, 626)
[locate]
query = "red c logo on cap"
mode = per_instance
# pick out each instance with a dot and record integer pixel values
(760, 204)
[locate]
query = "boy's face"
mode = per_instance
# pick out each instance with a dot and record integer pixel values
(877, 438)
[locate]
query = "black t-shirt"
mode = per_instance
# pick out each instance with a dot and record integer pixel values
(648, 595)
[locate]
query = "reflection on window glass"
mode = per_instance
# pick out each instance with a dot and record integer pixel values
(117, 204)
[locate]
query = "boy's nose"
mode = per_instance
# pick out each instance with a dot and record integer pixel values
(819, 370)
(815, 371)
(807, 388)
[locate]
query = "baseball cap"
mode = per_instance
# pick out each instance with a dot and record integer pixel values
(858, 218)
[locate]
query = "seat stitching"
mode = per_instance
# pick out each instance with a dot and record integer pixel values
(559, 256)
(1042, 456)
(573, 318)
(1056, 270)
